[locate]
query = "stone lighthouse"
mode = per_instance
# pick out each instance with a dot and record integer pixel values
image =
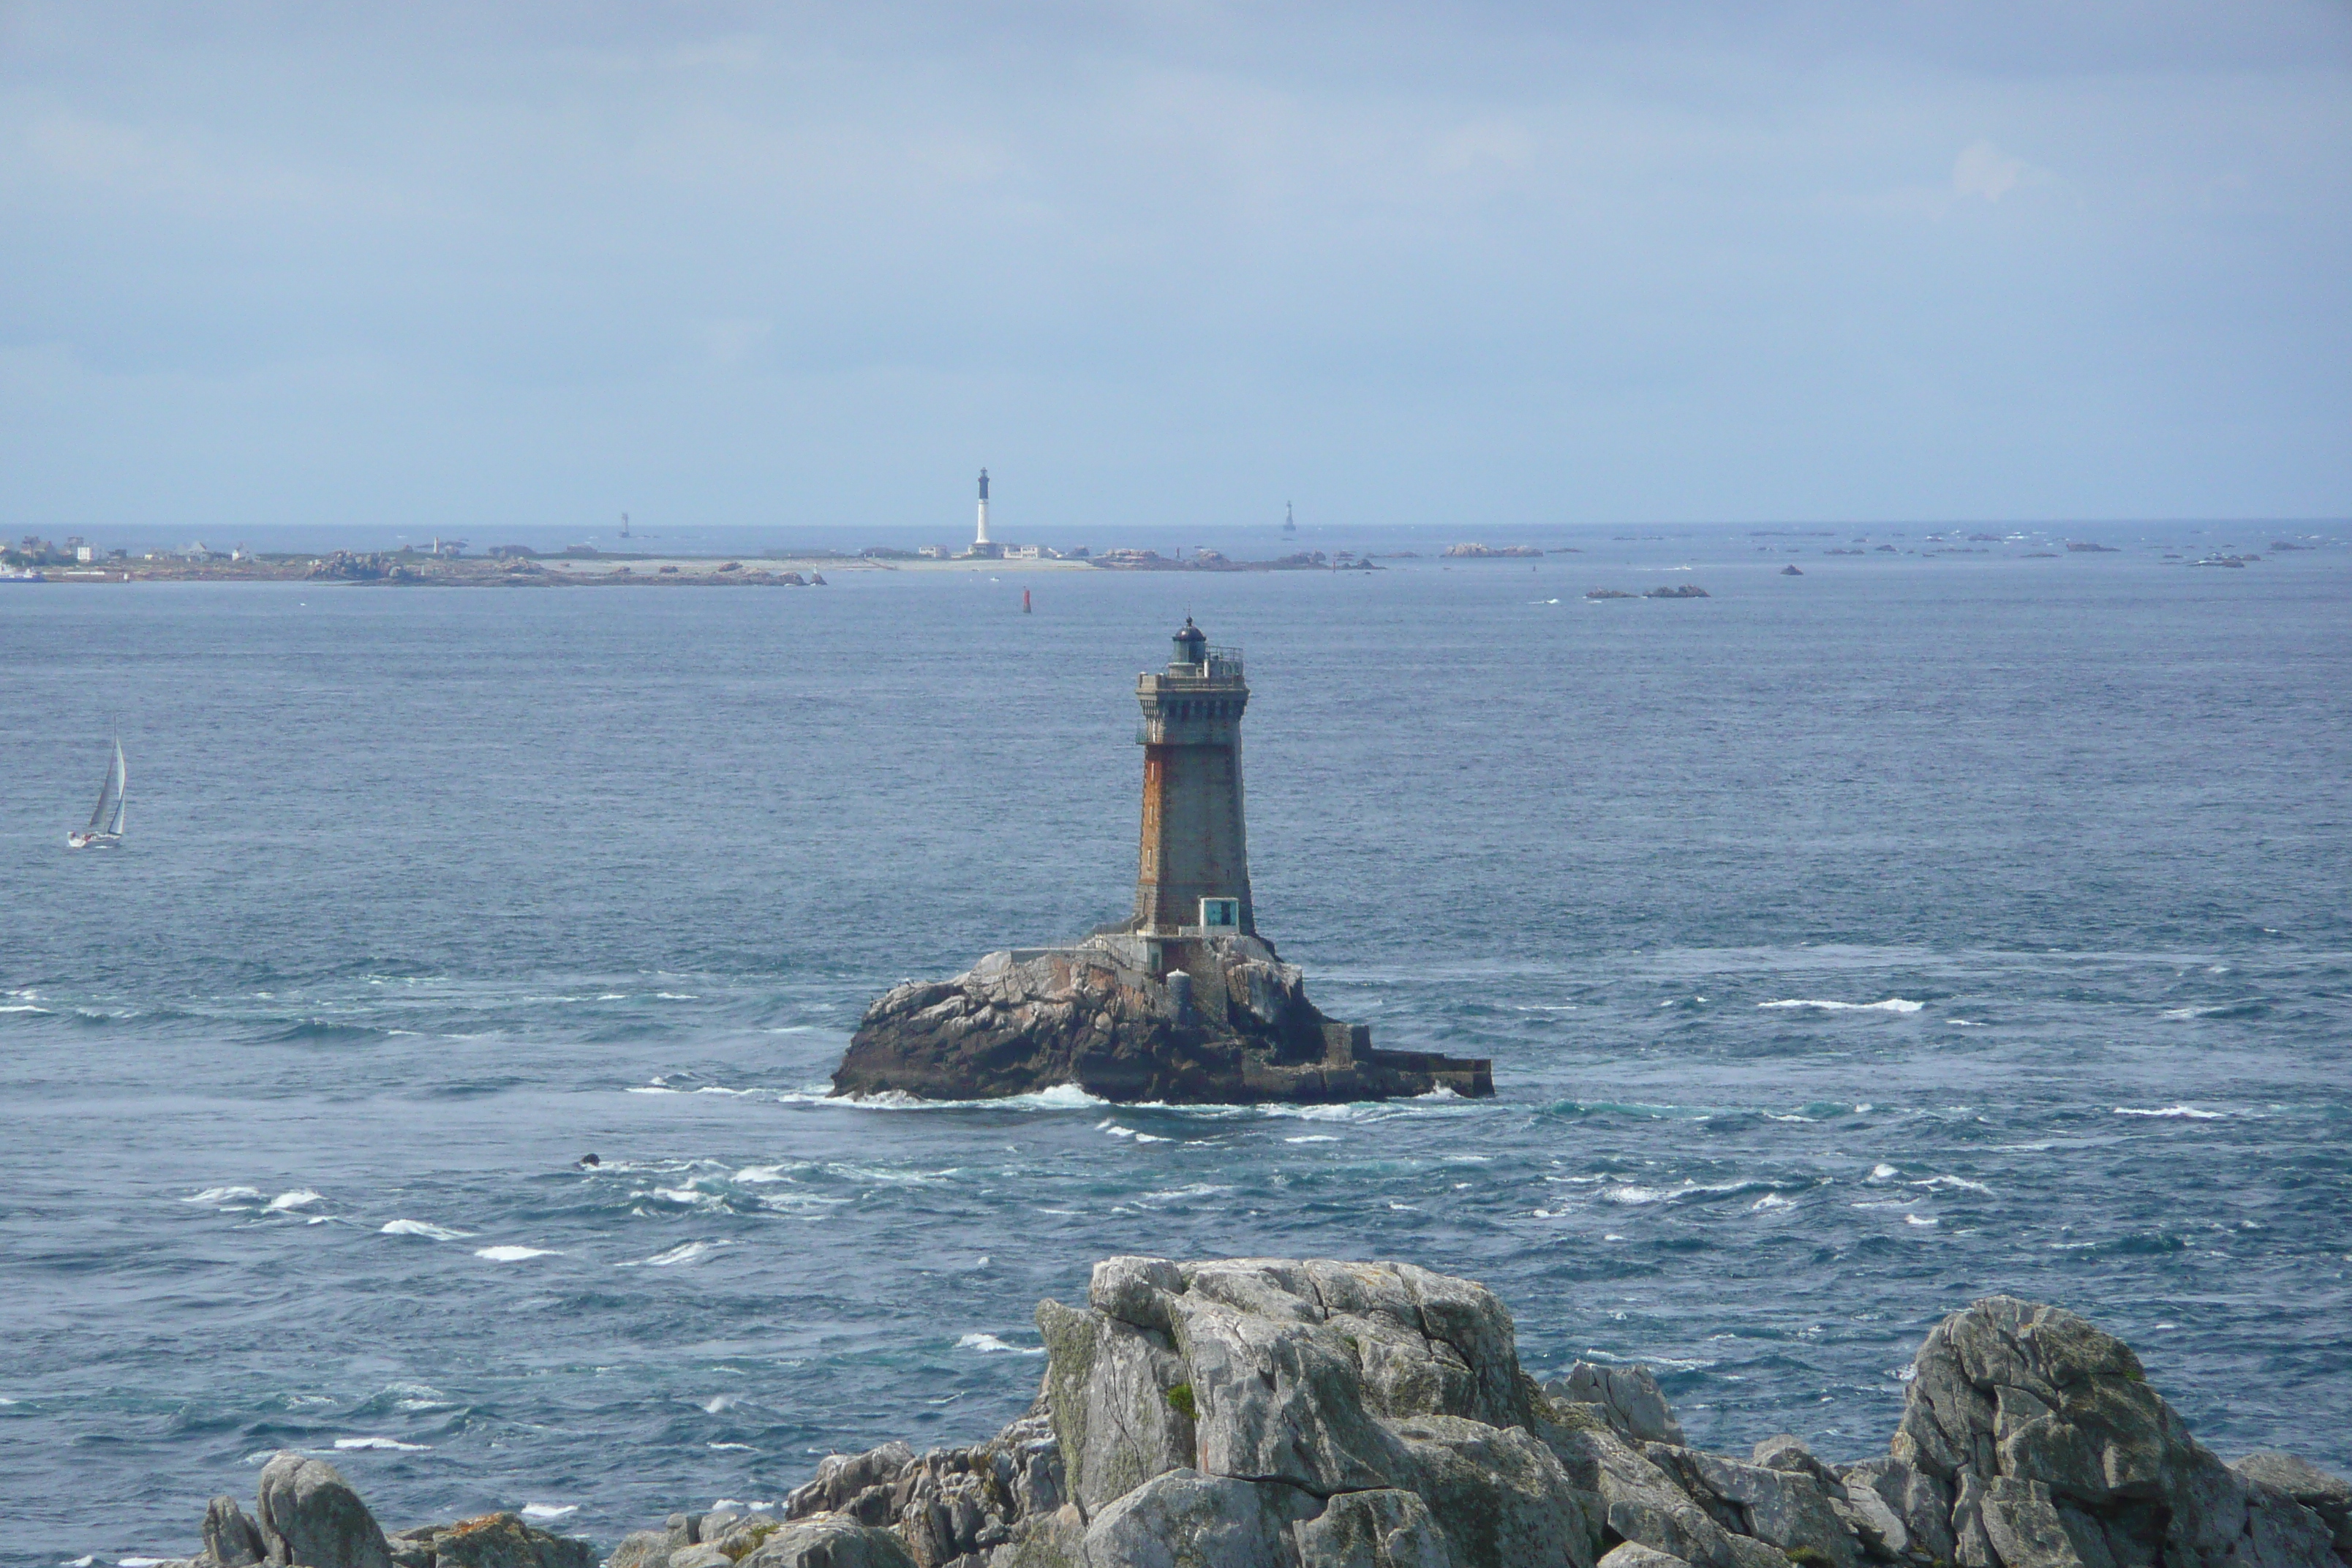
(1183, 1002)
(1194, 875)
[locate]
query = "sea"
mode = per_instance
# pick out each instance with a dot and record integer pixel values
(1850, 945)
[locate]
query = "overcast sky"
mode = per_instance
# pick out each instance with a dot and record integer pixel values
(458, 265)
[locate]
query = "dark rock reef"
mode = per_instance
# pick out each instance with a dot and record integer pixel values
(1264, 1413)
(1211, 1020)
(307, 1514)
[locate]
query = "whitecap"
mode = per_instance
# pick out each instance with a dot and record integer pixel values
(219, 1196)
(303, 1198)
(685, 1252)
(1961, 1182)
(141, 1562)
(25, 1007)
(2183, 1013)
(417, 1396)
(651, 1089)
(513, 1254)
(1639, 1195)
(1891, 1005)
(391, 1443)
(731, 1448)
(1634, 1195)
(717, 1403)
(1314, 1138)
(988, 1344)
(2186, 1111)
(1884, 1173)
(1919, 1219)
(1176, 1194)
(419, 1227)
(1771, 1201)
(1965, 1024)
(550, 1509)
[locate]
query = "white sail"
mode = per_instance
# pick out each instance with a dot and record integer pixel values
(106, 818)
(121, 788)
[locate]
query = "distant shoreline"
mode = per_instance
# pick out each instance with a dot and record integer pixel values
(409, 570)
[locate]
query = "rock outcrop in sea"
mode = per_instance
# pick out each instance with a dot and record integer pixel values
(1260, 1413)
(1232, 1026)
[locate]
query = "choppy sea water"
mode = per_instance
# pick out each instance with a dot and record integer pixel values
(1848, 947)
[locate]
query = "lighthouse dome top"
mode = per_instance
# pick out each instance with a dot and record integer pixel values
(1191, 644)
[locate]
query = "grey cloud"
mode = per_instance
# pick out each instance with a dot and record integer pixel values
(1551, 263)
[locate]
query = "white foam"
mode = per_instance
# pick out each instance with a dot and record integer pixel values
(550, 1509)
(1965, 1024)
(391, 1444)
(419, 1227)
(756, 1175)
(729, 1447)
(685, 1252)
(514, 1254)
(417, 1396)
(1314, 1138)
(1771, 1201)
(1891, 1005)
(303, 1198)
(1884, 1173)
(1061, 1097)
(2187, 1111)
(24, 1007)
(686, 1195)
(988, 1344)
(141, 1562)
(1177, 1194)
(220, 1197)
(1919, 1219)
(1960, 1182)
(1639, 1195)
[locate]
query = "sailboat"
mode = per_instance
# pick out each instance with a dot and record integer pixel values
(105, 829)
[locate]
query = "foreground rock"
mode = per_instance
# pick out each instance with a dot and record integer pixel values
(1231, 1027)
(1265, 1413)
(307, 1514)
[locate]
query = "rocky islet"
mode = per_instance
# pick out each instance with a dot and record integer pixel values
(1258, 1413)
(1233, 1027)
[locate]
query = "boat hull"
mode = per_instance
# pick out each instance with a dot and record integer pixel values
(93, 840)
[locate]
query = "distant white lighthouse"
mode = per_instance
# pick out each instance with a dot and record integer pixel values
(979, 544)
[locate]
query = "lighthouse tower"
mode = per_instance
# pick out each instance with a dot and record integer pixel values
(1193, 877)
(980, 544)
